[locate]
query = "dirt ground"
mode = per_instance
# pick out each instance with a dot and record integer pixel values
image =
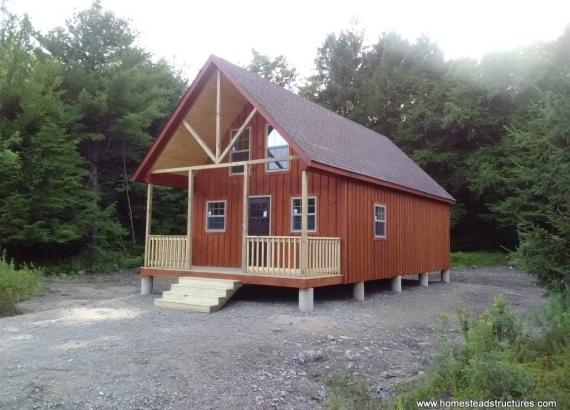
(93, 343)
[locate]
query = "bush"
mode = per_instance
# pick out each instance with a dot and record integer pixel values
(478, 258)
(501, 359)
(350, 393)
(16, 285)
(98, 261)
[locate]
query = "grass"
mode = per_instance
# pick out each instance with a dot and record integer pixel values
(16, 285)
(479, 258)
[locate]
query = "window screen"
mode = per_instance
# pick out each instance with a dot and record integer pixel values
(379, 221)
(216, 216)
(296, 209)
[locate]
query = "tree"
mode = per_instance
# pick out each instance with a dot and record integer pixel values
(336, 83)
(44, 201)
(277, 70)
(120, 98)
(528, 171)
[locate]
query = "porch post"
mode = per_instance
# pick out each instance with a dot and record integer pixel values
(304, 259)
(244, 218)
(190, 219)
(146, 281)
(148, 221)
(218, 113)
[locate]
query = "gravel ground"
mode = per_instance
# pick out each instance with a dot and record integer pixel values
(93, 343)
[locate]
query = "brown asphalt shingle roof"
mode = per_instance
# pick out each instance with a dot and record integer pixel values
(330, 139)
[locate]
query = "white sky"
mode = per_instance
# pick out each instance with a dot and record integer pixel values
(186, 32)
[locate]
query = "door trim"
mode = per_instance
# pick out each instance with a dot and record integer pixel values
(270, 209)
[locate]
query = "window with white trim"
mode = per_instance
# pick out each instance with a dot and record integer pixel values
(216, 216)
(240, 150)
(296, 211)
(276, 147)
(379, 221)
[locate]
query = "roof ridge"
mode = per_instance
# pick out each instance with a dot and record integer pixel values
(322, 135)
(320, 107)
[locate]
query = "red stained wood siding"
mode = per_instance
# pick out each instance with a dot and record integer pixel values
(417, 228)
(224, 248)
(417, 234)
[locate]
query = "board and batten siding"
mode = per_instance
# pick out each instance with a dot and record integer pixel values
(417, 234)
(223, 249)
(417, 228)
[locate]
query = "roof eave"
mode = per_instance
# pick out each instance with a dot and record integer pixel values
(380, 182)
(174, 120)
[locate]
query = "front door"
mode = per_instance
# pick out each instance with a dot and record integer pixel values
(259, 216)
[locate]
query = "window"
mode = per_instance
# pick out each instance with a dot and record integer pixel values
(216, 216)
(379, 221)
(296, 215)
(277, 147)
(240, 150)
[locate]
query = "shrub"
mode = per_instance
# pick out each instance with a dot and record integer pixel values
(16, 285)
(98, 261)
(350, 393)
(501, 359)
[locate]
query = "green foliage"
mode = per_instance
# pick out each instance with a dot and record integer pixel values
(438, 112)
(98, 261)
(479, 258)
(41, 172)
(277, 70)
(528, 172)
(16, 285)
(495, 134)
(501, 358)
(349, 393)
(78, 108)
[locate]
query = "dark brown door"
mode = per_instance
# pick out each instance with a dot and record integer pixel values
(259, 216)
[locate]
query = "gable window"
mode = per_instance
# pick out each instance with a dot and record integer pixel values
(216, 216)
(240, 150)
(296, 210)
(277, 147)
(379, 221)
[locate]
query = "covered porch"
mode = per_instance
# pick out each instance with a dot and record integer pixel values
(298, 257)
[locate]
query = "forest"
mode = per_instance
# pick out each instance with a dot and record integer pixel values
(81, 104)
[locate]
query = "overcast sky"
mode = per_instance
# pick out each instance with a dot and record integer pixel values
(186, 32)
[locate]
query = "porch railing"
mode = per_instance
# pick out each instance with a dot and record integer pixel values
(281, 255)
(265, 255)
(166, 251)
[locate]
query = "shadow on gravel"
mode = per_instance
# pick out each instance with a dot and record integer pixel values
(258, 293)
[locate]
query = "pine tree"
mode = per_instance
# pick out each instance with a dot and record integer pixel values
(42, 178)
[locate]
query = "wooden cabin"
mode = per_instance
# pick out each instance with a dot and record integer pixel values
(283, 192)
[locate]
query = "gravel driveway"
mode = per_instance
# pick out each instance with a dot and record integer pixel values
(93, 343)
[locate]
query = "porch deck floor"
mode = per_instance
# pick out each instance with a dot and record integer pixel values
(245, 277)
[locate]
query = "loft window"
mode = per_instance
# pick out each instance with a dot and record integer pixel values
(379, 221)
(277, 147)
(240, 150)
(216, 216)
(296, 210)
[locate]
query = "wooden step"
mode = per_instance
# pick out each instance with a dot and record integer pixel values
(192, 298)
(184, 306)
(198, 294)
(186, 289)
(209, 283)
